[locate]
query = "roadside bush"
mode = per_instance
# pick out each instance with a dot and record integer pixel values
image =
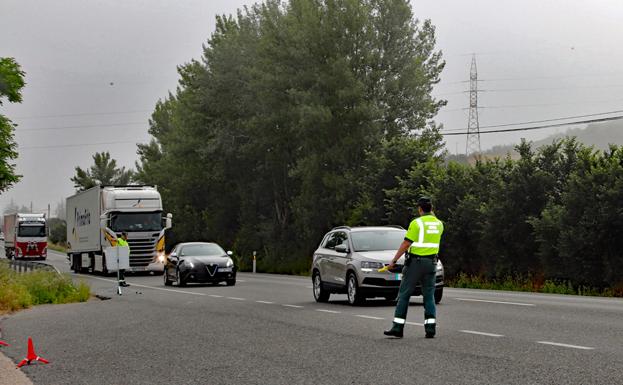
(20, 291)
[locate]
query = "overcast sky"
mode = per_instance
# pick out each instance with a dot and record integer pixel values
(95, 70)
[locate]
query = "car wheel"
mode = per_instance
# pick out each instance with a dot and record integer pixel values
(320, 294)
(438, 294)
(231, 282)
(353, 292)
(178, 279)
(167, 281)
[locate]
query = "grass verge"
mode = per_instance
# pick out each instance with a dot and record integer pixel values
(57, 247)
(21, 291)
(531, 285)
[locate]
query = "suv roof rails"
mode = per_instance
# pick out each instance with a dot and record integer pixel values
(341, 227)
(395, 226)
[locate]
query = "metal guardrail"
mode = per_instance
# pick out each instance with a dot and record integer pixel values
(20, 266)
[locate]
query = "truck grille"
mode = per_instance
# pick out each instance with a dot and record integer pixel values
(142, 250)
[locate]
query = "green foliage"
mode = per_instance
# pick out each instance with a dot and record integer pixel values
(104, 171)
(20, 291)
(11, 84)
(58, 230)
(273, 137)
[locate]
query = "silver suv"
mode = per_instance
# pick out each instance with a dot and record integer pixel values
(347, 261)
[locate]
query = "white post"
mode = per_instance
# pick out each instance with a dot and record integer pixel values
(254, 262)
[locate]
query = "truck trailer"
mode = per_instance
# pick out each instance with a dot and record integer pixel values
(98, 216)
(26, 236)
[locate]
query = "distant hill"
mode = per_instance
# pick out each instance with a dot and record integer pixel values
(599, 135)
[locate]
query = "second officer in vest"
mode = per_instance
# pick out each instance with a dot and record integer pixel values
(421, 244)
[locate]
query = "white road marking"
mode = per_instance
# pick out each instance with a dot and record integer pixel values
(144, 286)
(481, 333)
(237, 298)
(215, 295)
(368, 316)
(294, 306)
(240, 280)
(414, 323)
(266, 302)
(565, 345)
(329, 311)
(499, 302)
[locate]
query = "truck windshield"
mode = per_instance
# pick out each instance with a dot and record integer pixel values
(31, 231)
(136, 222)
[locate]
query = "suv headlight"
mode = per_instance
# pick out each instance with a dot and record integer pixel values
(369, 266)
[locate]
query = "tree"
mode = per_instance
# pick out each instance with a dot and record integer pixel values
(11, 84)
(103, 172)
(269, 139)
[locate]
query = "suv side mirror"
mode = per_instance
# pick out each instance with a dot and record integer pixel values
(230, 253)
(341, 248)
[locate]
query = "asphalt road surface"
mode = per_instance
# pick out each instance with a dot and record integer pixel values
(269, 330)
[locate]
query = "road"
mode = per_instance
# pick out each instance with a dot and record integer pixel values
(268, 330)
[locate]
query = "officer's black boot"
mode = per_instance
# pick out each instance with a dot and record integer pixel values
(429, 327)
(395, 331)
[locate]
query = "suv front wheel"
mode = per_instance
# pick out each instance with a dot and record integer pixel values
(353, 292)
(320, 293)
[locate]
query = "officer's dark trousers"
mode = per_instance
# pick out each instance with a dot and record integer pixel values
(420, 270)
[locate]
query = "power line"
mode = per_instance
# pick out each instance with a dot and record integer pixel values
(82, 114)
(544, 120)
(80, 126)
(538, 127)
(77, 145)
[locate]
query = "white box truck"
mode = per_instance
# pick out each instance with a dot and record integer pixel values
(25, 236)
(96, 218)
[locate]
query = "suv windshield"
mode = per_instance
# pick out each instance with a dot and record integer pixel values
(377, 240)
(201, 250)
(31, 231)
(136, 222)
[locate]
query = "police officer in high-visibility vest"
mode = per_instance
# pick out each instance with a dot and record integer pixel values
(421, 244)
(123, 241)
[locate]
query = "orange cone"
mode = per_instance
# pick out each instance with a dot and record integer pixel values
(31, 356)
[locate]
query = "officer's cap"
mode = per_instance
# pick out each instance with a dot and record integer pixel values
(424, 201)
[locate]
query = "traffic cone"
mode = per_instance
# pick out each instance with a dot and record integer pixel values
(31, 356)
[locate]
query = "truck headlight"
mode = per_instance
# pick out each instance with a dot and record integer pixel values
(161, 257)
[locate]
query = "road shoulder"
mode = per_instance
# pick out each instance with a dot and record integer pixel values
(10, 374)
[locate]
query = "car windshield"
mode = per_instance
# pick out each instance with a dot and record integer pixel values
(202, 249)
(377, 240)
(31, 231)
(136, 222)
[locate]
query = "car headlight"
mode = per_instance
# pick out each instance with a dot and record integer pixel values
(230, 262)
(371, 265)
(190, 264)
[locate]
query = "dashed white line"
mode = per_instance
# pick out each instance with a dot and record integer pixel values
(237, 298)
(294, 306)
(565, 345)
(329, 311)
(265, 302)
(368, 316)
(498, 302)
(481, 333)
(145, 286)
(215, 295)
